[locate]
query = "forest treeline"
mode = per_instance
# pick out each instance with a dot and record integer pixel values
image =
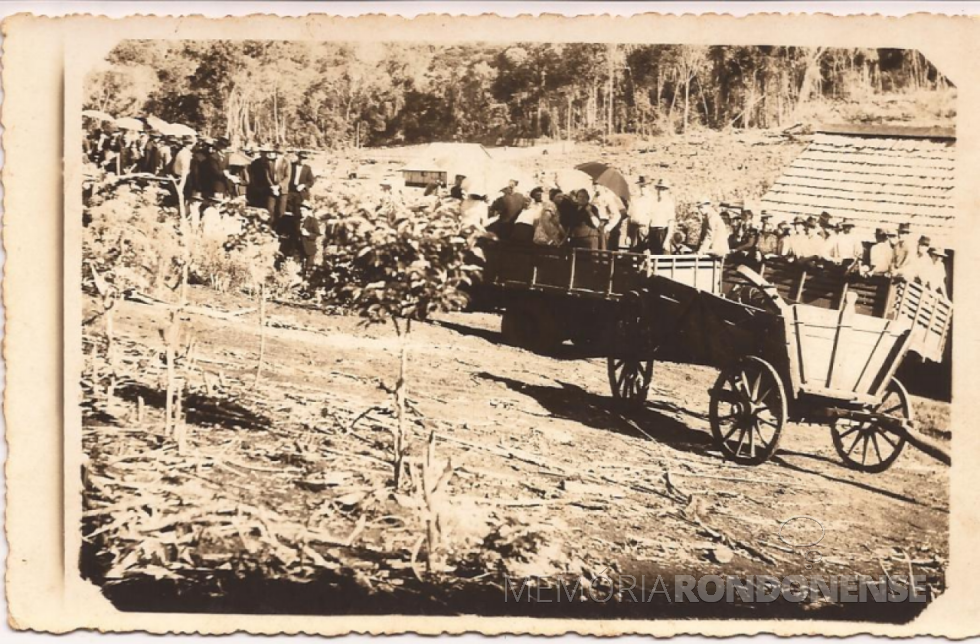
(337, 94)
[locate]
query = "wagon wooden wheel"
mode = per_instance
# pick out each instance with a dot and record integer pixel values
(630, 379)
(868, 445)
(629, 366)
(748, 411)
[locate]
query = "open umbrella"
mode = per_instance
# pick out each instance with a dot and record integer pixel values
(129, 124)
(572, 180)
(608, 176)
(157, 124)
(179, 129)
(98, 115)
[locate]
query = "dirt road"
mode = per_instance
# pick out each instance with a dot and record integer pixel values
(534, 440)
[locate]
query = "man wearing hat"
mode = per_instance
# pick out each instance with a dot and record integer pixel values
(790, 247)
(456, 192)
(181, 168)
(150, 160)
(768, 245)
(830, 248)
(881, 257)
(850, 248)
(903, 248)
(526, 222)
(211, 172)
(714, 233)
(808, 244)
(784, 231)
(640, 220)
(747, 238)
(301, 179)
(920, 265)
(273, 184)
(663, 218)
(506, 209)
(611, 213)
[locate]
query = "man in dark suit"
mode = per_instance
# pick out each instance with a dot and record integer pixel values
(253, 194)
(301, 179)
(271, 181)
(506, 209)
(211, 173)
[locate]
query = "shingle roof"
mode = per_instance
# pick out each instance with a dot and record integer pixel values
(876, 178)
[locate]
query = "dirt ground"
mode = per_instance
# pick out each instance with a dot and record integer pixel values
(534, 440)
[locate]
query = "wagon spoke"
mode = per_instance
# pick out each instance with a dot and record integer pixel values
(854, 444)
(864, 449)
(888, 412)
(743, 384)
(729, 434)
(765, 396)
(621, 379)
(874, 441)
(888, 439)
(756, 386)
(741, 441)
(767, 421)
(763, 441)
(853, 429)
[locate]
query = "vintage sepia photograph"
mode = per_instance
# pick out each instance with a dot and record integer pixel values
(575, 330)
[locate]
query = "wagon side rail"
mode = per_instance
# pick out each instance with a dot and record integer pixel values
(930, 314)
(606, 275)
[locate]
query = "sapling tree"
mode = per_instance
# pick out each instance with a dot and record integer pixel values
(399, 268)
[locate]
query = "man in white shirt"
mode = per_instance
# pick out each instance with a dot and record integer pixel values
(663, 217)
(831, 247)
(641, 209)
(882, 255)
(850, 247)
(610, 212)
(811, 244)
(919, 266)
(714, 232)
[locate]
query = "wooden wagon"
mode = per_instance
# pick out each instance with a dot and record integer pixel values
(780, 359)
(778, 363)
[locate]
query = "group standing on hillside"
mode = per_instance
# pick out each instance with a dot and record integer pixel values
(203, 172)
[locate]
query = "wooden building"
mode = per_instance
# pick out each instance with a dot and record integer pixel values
(876, 176)
(441, 162)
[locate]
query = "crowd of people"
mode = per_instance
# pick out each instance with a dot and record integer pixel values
(822, 241)
(593, 218)
(205, 171)
(598, 219)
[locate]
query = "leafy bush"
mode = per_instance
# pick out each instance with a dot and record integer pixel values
(409, 266)
(130, 238)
